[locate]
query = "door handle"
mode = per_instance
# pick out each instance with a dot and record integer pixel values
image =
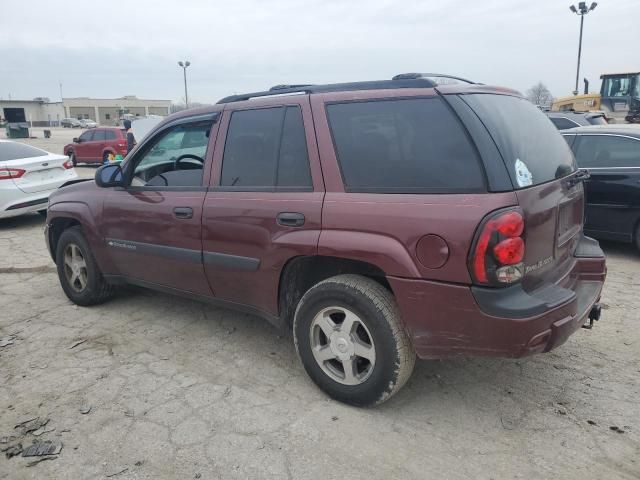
(183, 212)
(290, 219)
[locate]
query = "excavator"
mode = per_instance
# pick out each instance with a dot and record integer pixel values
(619, 98)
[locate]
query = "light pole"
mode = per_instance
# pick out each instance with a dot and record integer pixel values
(582, 10)
(184, 66)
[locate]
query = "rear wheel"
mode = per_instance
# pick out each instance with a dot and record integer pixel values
(350, 340)
(78, 272)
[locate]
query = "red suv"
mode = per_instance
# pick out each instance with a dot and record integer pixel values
(95, 145)
(378, 220)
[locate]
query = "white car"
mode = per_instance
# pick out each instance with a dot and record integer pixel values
(87, 123)
(28, 176)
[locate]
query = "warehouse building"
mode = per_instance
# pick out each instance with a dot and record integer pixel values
(40, 112)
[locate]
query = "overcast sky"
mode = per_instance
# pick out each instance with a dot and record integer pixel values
(114, 48)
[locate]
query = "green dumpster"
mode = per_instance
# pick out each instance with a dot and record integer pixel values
(17, 130)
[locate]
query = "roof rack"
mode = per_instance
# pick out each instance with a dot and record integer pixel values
(334, 87)
(438, 78)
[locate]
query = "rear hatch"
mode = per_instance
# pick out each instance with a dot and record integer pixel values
(543, 173)
(42, 171)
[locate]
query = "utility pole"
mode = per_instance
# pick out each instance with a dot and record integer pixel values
(582, 10)
(184, 66)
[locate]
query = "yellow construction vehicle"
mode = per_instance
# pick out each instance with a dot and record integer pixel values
(619, 98)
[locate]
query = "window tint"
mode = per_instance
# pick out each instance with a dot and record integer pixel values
(403, 146)
(563, 123)
(607, 151)
(99, 136)
(532, 148)
(266, 148)
(15, 151)
(86, 136)
(597, 120)
(110, 135)
(174, 159)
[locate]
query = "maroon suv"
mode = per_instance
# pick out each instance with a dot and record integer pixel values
(378, 220)
(95, 145)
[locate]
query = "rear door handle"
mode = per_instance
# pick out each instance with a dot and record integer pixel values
(183, 212)
(290, 219)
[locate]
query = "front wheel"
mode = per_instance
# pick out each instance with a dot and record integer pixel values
(350, 340)
(78, 272)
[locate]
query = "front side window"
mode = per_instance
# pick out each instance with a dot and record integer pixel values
(175, 159)
(403, 146)
(266, 148)
(606, 151)
(86, 136)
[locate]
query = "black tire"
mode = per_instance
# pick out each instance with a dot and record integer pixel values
(72, 157)
(96, 290)
(377, 310)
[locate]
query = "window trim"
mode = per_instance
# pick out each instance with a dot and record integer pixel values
(266, 188)
(142, 149)
(408, 190)
(620, 135)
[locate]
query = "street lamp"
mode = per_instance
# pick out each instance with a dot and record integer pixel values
(184, 66)
(582, 10)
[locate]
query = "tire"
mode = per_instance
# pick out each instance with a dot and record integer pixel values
(72, 157)
(376, 333)
(94, 289)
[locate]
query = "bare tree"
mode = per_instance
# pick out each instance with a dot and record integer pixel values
(540, 95)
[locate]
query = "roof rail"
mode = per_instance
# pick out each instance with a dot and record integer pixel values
(334, 87)
(431, 76)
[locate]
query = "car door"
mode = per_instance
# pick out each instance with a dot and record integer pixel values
(83, 147)
(613, 191)
(152, 226)
(97, 144)
(265, 200)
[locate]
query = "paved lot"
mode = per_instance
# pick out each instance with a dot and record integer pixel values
(150, 386)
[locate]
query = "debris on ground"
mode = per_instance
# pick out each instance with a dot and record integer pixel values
(197, 475)
(616, 429)
(32, 425)
(6, 341)
(7, 439)
(41, 459)
(12, 451)
(591, 422)
(117, 473)
(42, 430)
(79, 342)
(85, 409)
(129, 413)
(39, 449)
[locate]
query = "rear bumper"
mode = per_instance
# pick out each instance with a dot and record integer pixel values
(445, 319)
(19, 203)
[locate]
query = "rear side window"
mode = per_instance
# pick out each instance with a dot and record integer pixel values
(110, 135)
(403, 146)
(606, 151)
(563, 123)
(16, 151)
(597, 120)
(266, 148)
(99, 136)
(532, 148)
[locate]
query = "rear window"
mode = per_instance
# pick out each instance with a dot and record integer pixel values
(531, 146)
(15, 151)
(403, 146)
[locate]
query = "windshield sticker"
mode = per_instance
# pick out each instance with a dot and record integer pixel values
(523, 175)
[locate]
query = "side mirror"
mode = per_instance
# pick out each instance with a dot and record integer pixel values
(75, 140)
(109, 176)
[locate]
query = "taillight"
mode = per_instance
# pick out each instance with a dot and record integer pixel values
(68, 164)
(7, 173)
(498, 250)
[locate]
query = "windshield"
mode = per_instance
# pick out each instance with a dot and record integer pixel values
(533, 150)
(622, 86)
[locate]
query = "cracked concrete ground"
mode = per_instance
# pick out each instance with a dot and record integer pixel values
(179, 389)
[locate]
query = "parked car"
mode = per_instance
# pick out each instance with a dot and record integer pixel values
(564, 120)
(28, 175)
(611, 155)
(378, 220)
(95, 145)
(88, 123)
(70, 123)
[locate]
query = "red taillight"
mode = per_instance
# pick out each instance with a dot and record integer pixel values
(7, 173)
(68, 164)
(499, 244)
